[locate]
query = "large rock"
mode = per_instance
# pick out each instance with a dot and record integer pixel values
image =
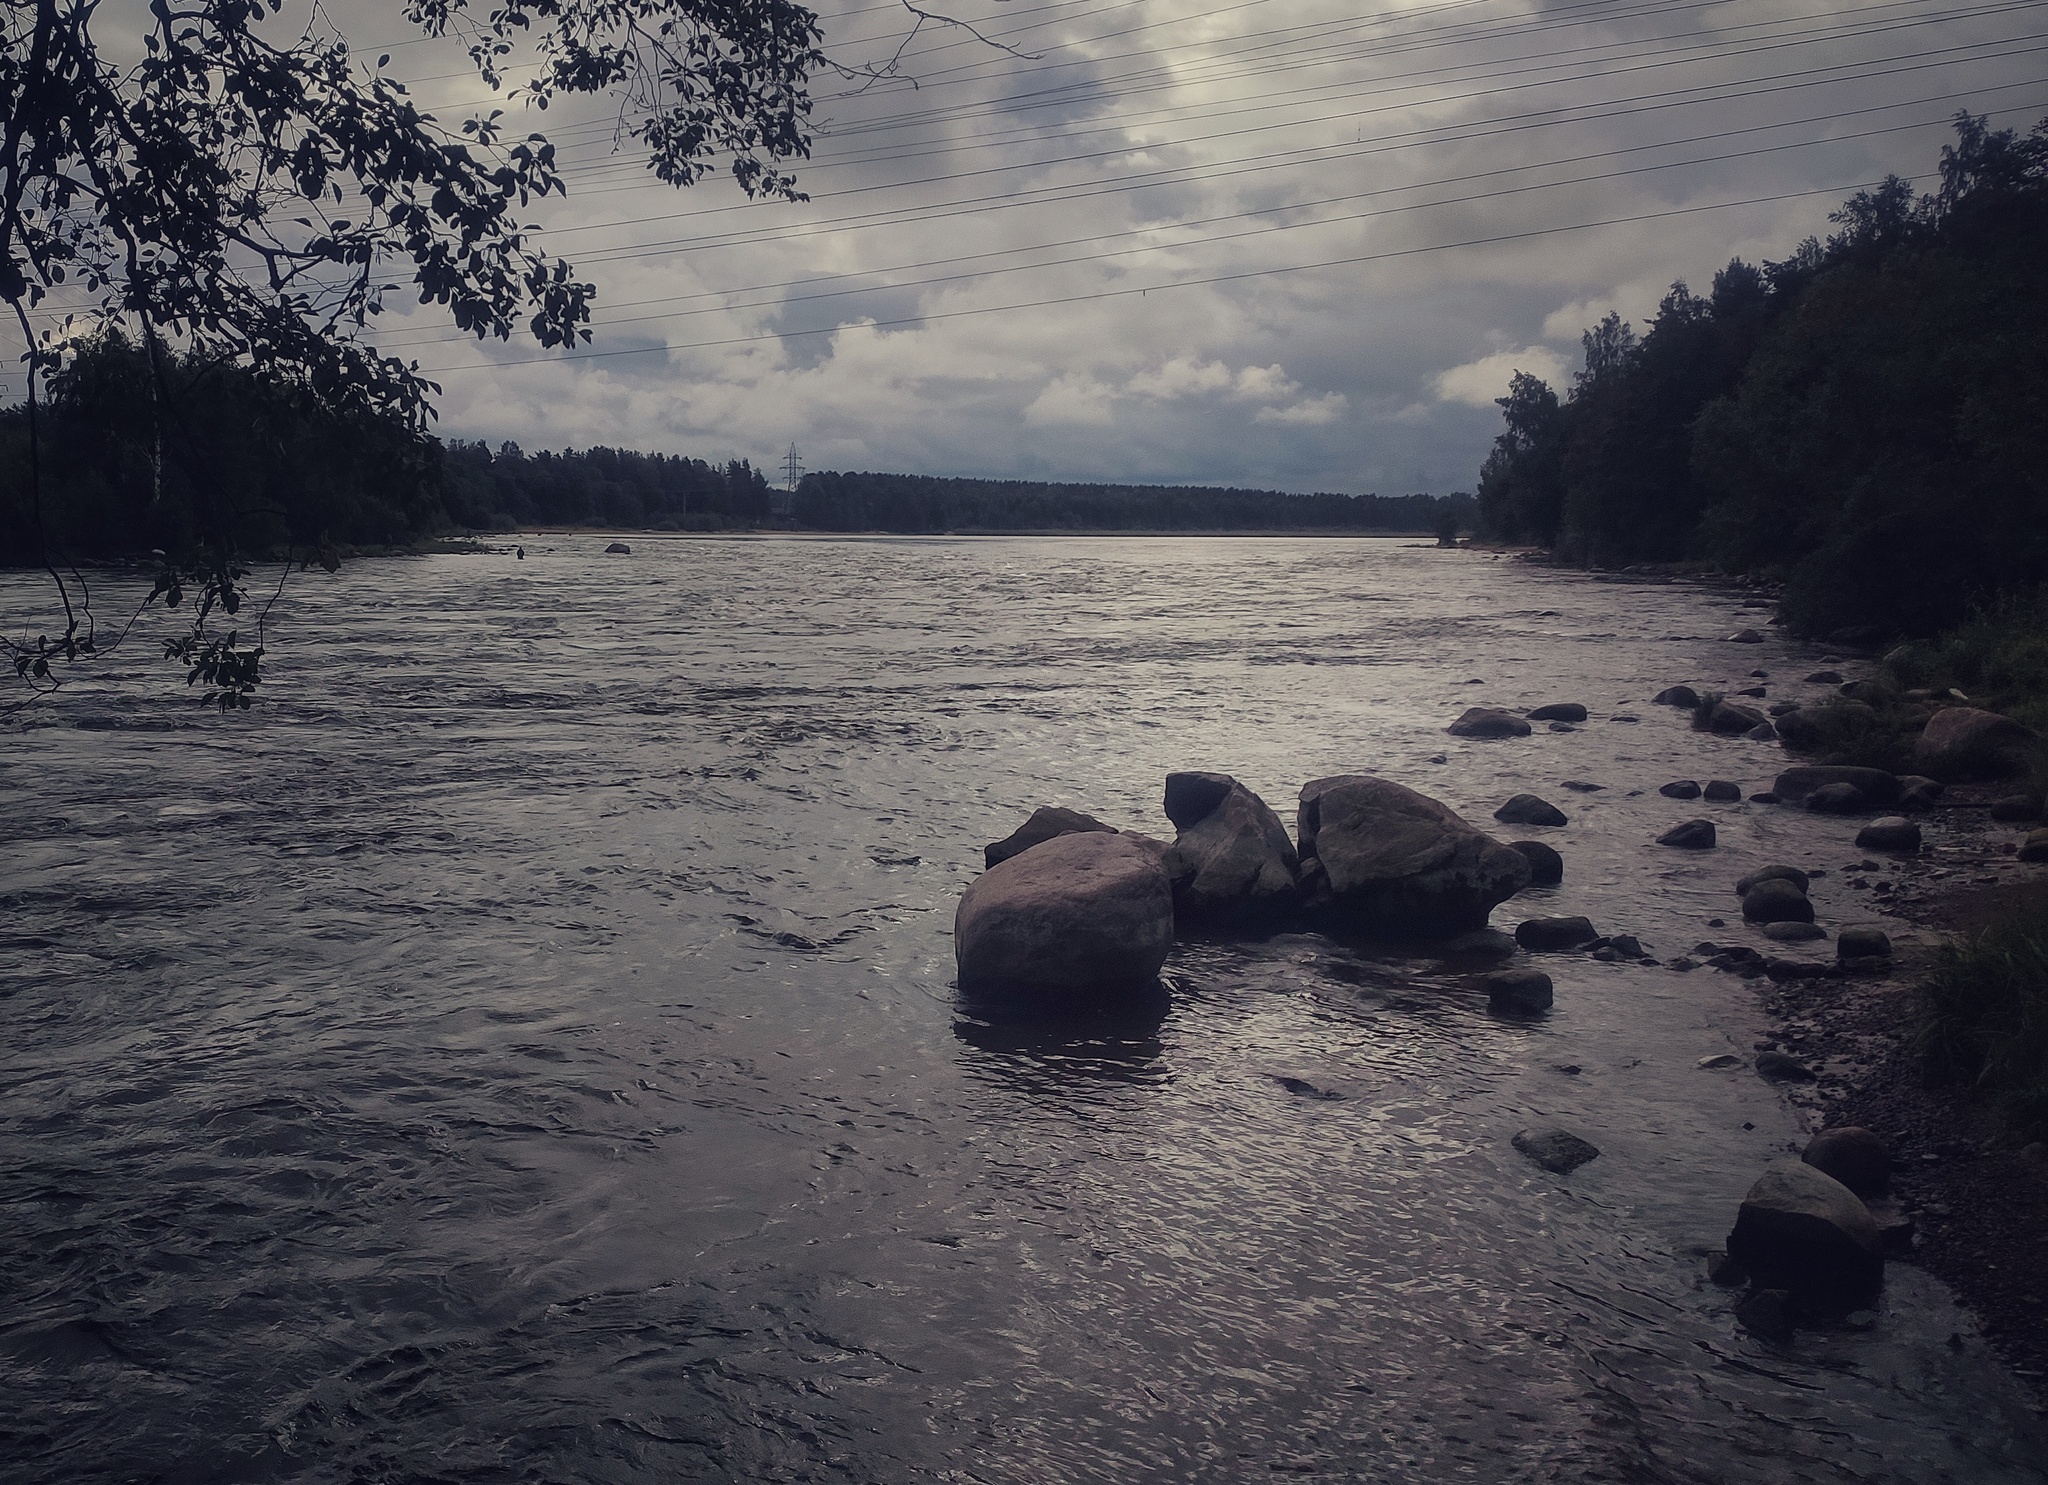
(1381, 858)
(1518, 992)
(1529, 809)
(1790, 874)
(1539, 935)
(1804, 1230)
(1839, 799)
(2035, 846)
(1679, 789)
(1085, 915)
(1730, 719)
(1045, 824)
(1863, 943)
(1892, 833)
(1546, 867)
(1797, 785)
(1555, 1149)
(1487, 721)
(1852, 1155)
(1559, 711)
(1723, 791)
(1693, 835)
(1775, 900)
(1231, 862)
(1683, 696)
(1961, 742)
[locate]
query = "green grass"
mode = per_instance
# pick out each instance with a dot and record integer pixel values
(1985, 1012)
(1999, 659)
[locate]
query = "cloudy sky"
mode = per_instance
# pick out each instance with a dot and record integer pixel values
(1296, 244)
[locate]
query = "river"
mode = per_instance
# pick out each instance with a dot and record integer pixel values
(524, 1046)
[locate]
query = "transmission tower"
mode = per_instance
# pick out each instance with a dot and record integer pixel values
(792, 469)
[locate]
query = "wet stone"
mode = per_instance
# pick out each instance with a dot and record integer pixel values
(1778, 1067)
(1555, 1149)
(1546, 867)
(1559, 711)
(1541, 935)
(1528, 809)
(1693, 835)
(1775, 900)
(1722, 792)
(1679, 789)
(1518, 992)
(1863, 943)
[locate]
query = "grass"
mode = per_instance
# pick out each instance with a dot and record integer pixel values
(1998, 659)
(1985, 1014)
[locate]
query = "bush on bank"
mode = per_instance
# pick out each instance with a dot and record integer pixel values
(1986, 1014)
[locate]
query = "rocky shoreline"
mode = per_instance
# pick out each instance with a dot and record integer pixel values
(1899, 1170)
(1975, 1197)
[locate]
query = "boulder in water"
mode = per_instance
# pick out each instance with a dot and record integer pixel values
(1679, 789)
(1790, 874)
(1775, 900)
(1804, 1230)
(1045, 823)
(1518, 992)
(1087, 915)
(1863, 943)
(618, 549)
(1377, 857)
(1559, 711)
(1488, 721)
(1732, 718)
(1693, 835)
(1528, 809)
(1556, 1149)
(1546, 867)
(1721, 791)
(1541, 935)
(1797, 785)
(1683, 696)
(1232, 862)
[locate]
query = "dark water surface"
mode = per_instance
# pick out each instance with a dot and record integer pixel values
(524, 1047)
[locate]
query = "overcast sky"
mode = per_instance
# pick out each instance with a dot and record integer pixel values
(1192, 241)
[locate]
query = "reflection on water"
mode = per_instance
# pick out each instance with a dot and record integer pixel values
(526, 1047)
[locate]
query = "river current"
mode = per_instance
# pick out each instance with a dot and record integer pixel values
(524, 1047)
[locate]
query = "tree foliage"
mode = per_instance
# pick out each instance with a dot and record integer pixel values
(246, 194)
(1867, 419)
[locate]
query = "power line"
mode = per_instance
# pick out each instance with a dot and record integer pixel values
(1349, 218)
(1123, 293)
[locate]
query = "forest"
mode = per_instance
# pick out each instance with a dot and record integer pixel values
(1865, 421)
(905, 502)
(144, 448)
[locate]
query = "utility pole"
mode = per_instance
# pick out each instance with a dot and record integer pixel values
(792, 476)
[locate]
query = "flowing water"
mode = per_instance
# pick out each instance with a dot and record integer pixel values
(524, 1046)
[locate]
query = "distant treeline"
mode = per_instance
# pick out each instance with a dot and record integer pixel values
(921, 503)
(192, 452)
(183, 452)
(1867, 420)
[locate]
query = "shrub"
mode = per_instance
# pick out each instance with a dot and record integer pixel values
(1985, 1013)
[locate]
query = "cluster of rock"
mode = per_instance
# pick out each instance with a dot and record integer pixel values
(1775, 899)
(1806, 1240)
(1070, 905)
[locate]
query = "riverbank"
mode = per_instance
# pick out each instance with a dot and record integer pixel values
(1975, 1188)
